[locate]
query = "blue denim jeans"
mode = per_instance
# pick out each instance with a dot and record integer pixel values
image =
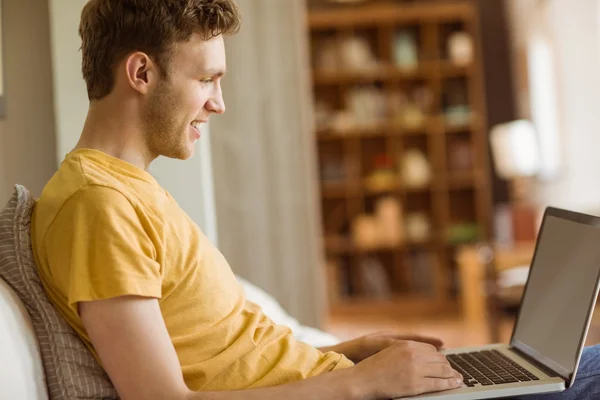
(587, 381)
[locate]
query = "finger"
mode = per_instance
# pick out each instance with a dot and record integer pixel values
(396, 336)
(436, 358)
(438, 343)
(411, 336)
(440, 370)
(421, 346)
(429, 385)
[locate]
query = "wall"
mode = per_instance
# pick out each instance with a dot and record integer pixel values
(27, 137)
(71, 102)
(190, 182)
(575, 27)
(579, 88)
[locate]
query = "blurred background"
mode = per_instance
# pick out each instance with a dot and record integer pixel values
(381, 164)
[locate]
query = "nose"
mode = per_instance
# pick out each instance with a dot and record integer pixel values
(216, 103)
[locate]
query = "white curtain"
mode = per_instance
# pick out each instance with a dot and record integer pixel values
(575, 49)
(263, 159)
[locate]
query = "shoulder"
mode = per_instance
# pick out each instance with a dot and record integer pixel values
(101, 197)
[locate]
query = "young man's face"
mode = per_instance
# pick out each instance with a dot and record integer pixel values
(180, 103)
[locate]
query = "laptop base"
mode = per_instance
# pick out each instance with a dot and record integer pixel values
(545, 384)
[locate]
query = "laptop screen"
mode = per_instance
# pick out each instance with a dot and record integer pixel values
(561, 286)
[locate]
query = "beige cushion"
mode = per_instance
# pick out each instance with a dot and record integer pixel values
(70, 368)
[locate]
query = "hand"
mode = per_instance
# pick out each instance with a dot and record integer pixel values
(406, 368)
(366, 346)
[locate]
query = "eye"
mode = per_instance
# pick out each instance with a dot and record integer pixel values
(207, 81)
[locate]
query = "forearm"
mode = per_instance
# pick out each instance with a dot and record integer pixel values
(351, 349)
(331, 386)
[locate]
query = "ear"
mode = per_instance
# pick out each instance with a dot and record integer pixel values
(141, 72)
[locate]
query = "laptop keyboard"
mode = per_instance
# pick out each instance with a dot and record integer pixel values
(489, 368)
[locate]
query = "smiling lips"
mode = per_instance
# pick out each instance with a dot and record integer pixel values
(196, 126)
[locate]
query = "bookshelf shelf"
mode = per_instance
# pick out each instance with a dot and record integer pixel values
(373, 121)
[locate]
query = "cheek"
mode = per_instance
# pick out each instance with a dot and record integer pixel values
(199, 97)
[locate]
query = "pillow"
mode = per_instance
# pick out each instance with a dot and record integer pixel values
(21, 370)
(71, 370)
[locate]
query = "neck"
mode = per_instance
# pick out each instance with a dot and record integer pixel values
(116, 129)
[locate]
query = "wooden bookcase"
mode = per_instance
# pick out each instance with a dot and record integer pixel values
(409, 276)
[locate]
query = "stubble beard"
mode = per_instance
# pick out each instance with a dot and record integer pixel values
(161, 125)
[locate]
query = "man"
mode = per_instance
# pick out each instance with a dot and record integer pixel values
(154, 301)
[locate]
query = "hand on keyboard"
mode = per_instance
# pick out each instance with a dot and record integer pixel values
(407, 369)
(488, 368)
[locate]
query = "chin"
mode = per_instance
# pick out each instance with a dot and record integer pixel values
(180, 153)
(188, 151)
(189, 154)
(185, 154)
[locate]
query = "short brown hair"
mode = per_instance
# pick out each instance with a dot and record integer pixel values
(112, 29)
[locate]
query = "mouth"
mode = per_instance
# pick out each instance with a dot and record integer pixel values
(196, 126)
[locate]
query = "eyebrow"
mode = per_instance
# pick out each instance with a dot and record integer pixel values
(216, 72)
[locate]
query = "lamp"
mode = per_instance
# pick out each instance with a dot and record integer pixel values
(516, 156)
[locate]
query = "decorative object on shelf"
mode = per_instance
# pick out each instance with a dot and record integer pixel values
(326, 57)
(461, 233)
(397, 102)
(516, 155)
(415, 169)
(388, 213)
(356, 54)
(410, 112)
(332, 171)
(342, 121)
(418, 227)
(405, 51)
(383, 177)
(461, 49)
(460, 157)
(365, 232)
(375, 281)
(366, 105)
(350, 53)
(458, 115)
(383, 229)
(412, 117)
(457, 110)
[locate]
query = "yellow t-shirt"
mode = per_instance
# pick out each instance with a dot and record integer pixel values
(105, 228)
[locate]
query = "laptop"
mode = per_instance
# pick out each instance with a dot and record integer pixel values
(552, 323)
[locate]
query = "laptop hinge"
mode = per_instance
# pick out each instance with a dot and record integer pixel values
(529, 356)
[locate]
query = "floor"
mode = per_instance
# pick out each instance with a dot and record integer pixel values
(452, 330)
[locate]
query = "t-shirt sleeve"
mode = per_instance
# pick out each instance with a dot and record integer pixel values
(101, 246)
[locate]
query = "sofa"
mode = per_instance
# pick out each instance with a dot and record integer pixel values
(21, 369)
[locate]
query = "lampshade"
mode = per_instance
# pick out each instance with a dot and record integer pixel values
(515, 149)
